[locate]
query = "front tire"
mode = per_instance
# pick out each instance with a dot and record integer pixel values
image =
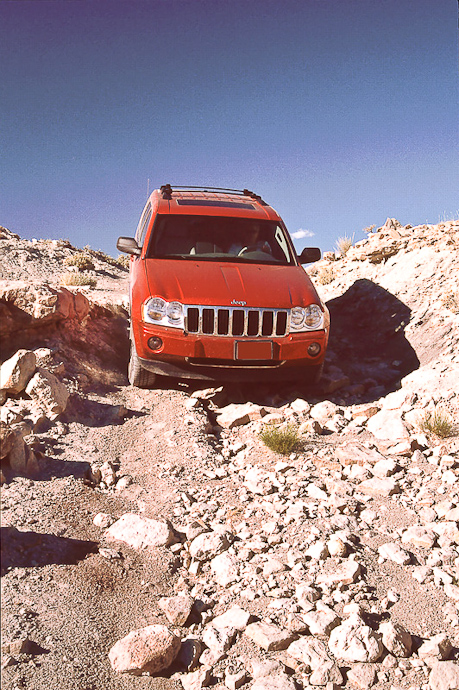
(137, 375)
(314, 374)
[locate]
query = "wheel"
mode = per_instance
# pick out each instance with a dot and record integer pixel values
(137, 375)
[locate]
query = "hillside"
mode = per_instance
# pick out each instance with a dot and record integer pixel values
(151, 540)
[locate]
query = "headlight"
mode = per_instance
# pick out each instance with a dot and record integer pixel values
(156, 310)
(308, 318)
(174, 311)
(314, 316)
(297, 318)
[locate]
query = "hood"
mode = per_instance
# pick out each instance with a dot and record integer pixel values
(227, 284)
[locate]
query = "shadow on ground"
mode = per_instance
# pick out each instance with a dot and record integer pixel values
(31, 549)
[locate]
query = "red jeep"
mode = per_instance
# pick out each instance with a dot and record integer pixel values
(217, 292)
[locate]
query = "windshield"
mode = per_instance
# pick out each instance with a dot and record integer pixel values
(222, 238)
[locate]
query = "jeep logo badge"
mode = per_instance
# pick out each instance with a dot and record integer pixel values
(239, 303)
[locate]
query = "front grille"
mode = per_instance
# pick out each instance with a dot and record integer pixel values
(237, 322)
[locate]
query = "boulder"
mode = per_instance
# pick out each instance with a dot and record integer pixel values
(139, 532)
(16, 371)
(354, 641)
(48, 392)
(151, 649)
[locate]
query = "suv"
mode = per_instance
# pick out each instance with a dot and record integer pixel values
(217, 292)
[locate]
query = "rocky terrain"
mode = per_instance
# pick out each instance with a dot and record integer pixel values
(150, 539)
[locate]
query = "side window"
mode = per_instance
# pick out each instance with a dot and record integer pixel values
(143, 225)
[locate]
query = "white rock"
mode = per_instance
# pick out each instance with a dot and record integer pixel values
(48, 392)
(225, 568)
(321, 622)
(177, 609)
(16, 371)
(197, 679)
(379, 487)
(396, 639)
(346, 573)
(354, 641)
(235, 617)
(269, 636)
(139, 532)
(419, 536)
(388, 425)
(444, 676)
(218, 640)
(209, 544)
(362, 676)
(323, 411)
(310, 651)
(103, 520)
(393, 552)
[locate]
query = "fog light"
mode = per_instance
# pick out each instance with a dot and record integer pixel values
(155, 343)
(314, 349)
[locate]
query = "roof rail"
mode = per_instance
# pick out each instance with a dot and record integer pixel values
(167, 191)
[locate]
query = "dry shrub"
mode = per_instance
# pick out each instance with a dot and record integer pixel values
(76, 279)
(326, 275)
(81, 261)
(451, 301)
(343, 244)
(369, 229)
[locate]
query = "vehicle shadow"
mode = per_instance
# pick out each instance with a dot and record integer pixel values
(32, 549)
(367, 339)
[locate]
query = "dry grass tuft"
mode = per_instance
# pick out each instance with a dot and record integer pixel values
(343, 244)
(437, 422)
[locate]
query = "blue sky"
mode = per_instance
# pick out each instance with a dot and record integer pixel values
(338, 112)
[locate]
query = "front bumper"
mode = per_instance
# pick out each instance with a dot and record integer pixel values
(214, 358)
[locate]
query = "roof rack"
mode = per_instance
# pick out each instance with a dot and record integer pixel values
(167, 191)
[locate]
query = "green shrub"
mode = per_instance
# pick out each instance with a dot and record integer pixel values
(81, 261)
(437, 422)
(283, 440)
(76, 279)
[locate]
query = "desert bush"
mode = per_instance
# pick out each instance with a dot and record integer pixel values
(81, 261)
(122, 261)
(343, 244)
(326, 275)
(283, 440)
(437, 422)
(451, 301)
(76, 279)
(369, 229)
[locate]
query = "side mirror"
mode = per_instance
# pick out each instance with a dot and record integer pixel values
(128, 245)
(309, 255)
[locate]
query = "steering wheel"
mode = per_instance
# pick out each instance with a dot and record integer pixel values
(249, 248)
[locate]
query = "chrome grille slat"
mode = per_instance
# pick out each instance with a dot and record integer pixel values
(212, 320)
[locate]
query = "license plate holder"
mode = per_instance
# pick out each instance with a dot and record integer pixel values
(253, 349)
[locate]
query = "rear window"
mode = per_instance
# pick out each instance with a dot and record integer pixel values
(219, 237)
